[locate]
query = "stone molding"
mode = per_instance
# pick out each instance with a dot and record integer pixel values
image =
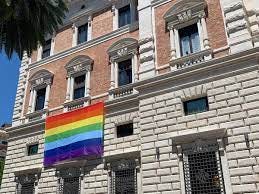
(83, 46)
(183, 11)
(40, 78)
(122, 48)
(81, 63)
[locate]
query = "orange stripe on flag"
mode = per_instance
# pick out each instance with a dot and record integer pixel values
(73, 116)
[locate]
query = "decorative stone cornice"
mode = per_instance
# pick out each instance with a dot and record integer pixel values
(185, 10)
(123, 47)
(80, 63)
(70, 172)
(42, 77)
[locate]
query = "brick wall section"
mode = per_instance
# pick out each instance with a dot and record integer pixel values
(63, 39)
(233, 104)
(100, 75)
(102, 23)
(215, 25)
(162, 34)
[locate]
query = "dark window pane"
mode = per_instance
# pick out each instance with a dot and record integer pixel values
(124, 16)
(40, 99)
(79, 87)
(27, 188)
(46, 49)
(196, 106)
(71, 185)
(125, 72)
(189, 40)
(82, 34)
(33, 149)
(125, 130)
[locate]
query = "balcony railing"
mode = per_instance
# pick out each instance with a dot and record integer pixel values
(121, 91)
(37, 115)
(191, 59)
(75, 104)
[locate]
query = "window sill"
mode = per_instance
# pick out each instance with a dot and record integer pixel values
(122, 91)
(75, 104)
(37, 115)
(191, 59)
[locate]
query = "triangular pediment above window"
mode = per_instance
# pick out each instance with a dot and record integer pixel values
(184, 10)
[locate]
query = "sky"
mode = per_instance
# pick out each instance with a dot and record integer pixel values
(9, 72)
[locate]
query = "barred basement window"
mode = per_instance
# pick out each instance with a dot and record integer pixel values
(27, 188)
(70, 185)
(69, 180)
(202, 169)
(124, 178)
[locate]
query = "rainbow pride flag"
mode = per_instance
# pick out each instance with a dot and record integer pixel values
(74, 134)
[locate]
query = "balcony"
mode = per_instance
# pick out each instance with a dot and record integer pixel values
(122, 91)
(75, 104)
(37, 115)
(191, 59)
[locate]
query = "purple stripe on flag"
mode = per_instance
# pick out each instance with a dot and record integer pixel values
(96, 150)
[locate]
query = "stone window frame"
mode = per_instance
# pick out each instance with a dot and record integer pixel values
(216, 136)
(120, 4)
(39, 80)
(52, 46)
(31, 141)
(78, 66)
(69, 172)
(79, 21)
(122, 163)
(182, 14)
(27, 176)
(124, 49)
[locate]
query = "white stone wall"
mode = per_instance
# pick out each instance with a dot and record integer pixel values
(233, 105)
(123, 145)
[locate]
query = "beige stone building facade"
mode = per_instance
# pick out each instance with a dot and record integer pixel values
(180, 83)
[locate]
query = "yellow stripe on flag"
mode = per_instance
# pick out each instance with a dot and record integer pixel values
(77, 124)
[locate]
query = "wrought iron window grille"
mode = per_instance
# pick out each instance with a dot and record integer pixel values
(202, 169)
(69, 180)
(26, 183)
(123, 177)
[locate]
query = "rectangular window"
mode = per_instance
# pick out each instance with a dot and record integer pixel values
(40, 99)
(46, 49)
(79, 87)
(82, 34)
(189, 40)
(27, 188)
(202, 170)
(124, 16)
(196, 106)
(125, 130)
(125, 72)
(32, 149)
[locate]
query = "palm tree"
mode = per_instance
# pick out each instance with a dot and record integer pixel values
(25, 23)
